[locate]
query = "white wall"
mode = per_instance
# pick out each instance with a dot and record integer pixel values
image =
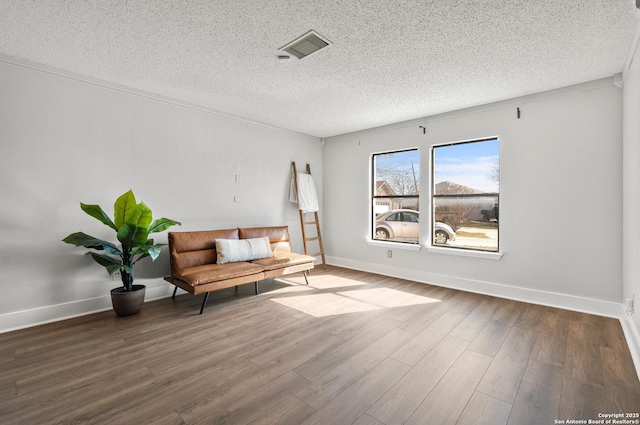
(631, 165)
(64, 140)
(560, 199)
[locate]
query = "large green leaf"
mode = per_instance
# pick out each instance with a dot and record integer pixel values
(121, 208)
(97, 212)
(87, 241)
(140, 215)
(162, 224)
(148, 250)
(112, 264)
(131, 235)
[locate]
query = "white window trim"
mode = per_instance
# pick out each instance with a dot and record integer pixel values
(460, 252)
(378, 242)
(490, 255)
(395, 245)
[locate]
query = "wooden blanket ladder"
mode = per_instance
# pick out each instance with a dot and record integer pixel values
(306, 238)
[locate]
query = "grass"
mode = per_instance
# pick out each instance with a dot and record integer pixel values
(471, 234)
(481, 224)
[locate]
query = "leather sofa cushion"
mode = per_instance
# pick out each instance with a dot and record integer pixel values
(200, 275)
(188, 249)
(282, 260)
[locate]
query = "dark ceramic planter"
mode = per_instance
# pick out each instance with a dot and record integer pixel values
(128, 303)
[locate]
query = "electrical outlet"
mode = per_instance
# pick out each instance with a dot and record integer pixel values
(631, 301)
(116, 275)
(630, 304)
(389, 253)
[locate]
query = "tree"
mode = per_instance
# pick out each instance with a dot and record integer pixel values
(494, 172)
(454, 214)
(402, 180)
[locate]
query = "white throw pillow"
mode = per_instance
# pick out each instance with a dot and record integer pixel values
(231, 250)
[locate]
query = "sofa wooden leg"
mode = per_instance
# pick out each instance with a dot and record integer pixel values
(206, 297)
(256, 288)
(174, 292)
(304, 273)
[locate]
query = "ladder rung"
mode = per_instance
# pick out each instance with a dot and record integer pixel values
(310, 222)
(315, 255)
(313, 239)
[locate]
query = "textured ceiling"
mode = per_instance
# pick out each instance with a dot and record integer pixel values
(390, 61)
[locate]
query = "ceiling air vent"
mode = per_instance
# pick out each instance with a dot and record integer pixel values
(306, 44)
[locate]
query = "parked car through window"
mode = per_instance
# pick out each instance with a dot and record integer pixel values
(403, 226)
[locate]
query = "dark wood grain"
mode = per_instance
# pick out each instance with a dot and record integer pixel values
(538, 399)
(417, 354)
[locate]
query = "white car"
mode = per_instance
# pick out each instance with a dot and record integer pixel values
(404, 225)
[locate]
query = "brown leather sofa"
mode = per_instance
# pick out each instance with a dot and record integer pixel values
(195, 269)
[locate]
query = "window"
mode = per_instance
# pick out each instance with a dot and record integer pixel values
(466, 192)
(396, 188)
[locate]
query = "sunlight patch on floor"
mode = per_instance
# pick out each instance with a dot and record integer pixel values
(334, 282)
(290, 288)
(345, 302)
(387, 298)
(321, 305)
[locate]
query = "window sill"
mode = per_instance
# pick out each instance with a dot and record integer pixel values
(465, 253)
(395, 245)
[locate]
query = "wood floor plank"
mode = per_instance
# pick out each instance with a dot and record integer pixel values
(367, 420)
(445, 301)
(495, 331)
(446, 402)
(619, 378)
(583, 361)
(171, 418)
(325, 388)
(503, 377)
(81, 404)
(255, 403)
(416, 348)
(538, 400)
(321, 364)
(352, 403)
(291, 411)
(611, 334)
(302, 342)
(471, 326)
(551, 344)
(169, 394)
(397, 404)
(217, 397)
(485, 410)
(531, 316)
(582, 401)
(7, 390)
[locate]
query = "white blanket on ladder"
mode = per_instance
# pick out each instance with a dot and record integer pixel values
(305, 195)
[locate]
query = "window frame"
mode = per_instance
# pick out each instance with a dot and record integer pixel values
(461, 250)
(372, 212)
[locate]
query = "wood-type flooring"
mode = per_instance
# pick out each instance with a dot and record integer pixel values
(350, 348)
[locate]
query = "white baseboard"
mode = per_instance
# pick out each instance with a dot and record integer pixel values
(53, 313)
(550, 299)
(632, 336)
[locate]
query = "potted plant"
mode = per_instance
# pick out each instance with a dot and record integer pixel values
(133, 222)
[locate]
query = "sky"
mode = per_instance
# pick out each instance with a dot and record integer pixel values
(469, 164)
